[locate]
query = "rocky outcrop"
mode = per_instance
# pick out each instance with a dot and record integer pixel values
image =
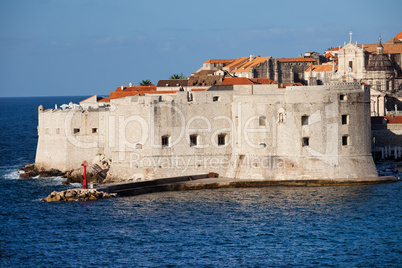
(77, 194)
(31, 171)
(95, 173)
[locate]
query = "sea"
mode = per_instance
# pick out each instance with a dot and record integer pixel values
(342, 226)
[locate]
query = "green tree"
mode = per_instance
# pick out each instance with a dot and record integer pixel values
(145, 82)
(177, 76)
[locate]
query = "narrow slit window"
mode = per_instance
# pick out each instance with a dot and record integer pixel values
(304, 120)
(345, 140)
(345, 119)
(221, 139)
(306, 141)
(193, 140)
(165, 141)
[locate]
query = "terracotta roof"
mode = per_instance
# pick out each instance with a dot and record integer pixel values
(379, 120)
(283, 85)
(334, 49)
(388, 48)
(219, 61)
(250, 64)
(296, 60)
(104, 99)
(398, 36)
(172, 82)
(320, 68)
(204, 72)
(247, 81)
(198, 89)
(204, 80)
(159, 92)
(236, 63)
(394, 120)
(393, 41)
(137, 88)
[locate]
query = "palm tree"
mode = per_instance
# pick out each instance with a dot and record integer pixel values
(177, 76)
(145, 82)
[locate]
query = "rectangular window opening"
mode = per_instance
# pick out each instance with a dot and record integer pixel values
(304, 120)
(165, 141)
(345, 140)
(306, 141)
(345, 119)
(215, 98)
(76, 130)
(193, 140)
(342, 97)
(94, 130)
(221, 139)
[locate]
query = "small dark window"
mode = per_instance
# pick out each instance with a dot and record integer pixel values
(280, 120)
(261, 121)
(94, 130)
(221, 139)
(350, 64)
(306, 141)
(304, 120)
(344, 140)
(138, 146)
(165, 141)
(215, 98)
(193, 140)
(345, 119)
(76, 130)
(342, 97)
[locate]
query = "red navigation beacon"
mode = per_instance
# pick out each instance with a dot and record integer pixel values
(84, 182)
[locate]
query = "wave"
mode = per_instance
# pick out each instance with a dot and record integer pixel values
(11, 175)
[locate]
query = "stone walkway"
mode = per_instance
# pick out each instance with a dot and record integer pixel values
(163, 185)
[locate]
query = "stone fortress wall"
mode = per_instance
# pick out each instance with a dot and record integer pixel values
(242, 132)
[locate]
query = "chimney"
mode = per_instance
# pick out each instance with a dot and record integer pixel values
(251, 57)
(122, 87)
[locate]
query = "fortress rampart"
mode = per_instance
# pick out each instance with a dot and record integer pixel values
(242, 132)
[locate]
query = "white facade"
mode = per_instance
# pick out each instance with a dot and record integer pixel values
(250, 132)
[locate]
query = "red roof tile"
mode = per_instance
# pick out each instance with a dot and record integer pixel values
(379, 120)
(388, 48)
(283, 85)
(398, 36)
(249, 64)
(247, 81)
(321, 68)
(334, 49)
(219, 61)
(296, 60)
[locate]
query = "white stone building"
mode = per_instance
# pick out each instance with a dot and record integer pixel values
(239, 131)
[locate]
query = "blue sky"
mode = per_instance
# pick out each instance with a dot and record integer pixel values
(86, 47)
